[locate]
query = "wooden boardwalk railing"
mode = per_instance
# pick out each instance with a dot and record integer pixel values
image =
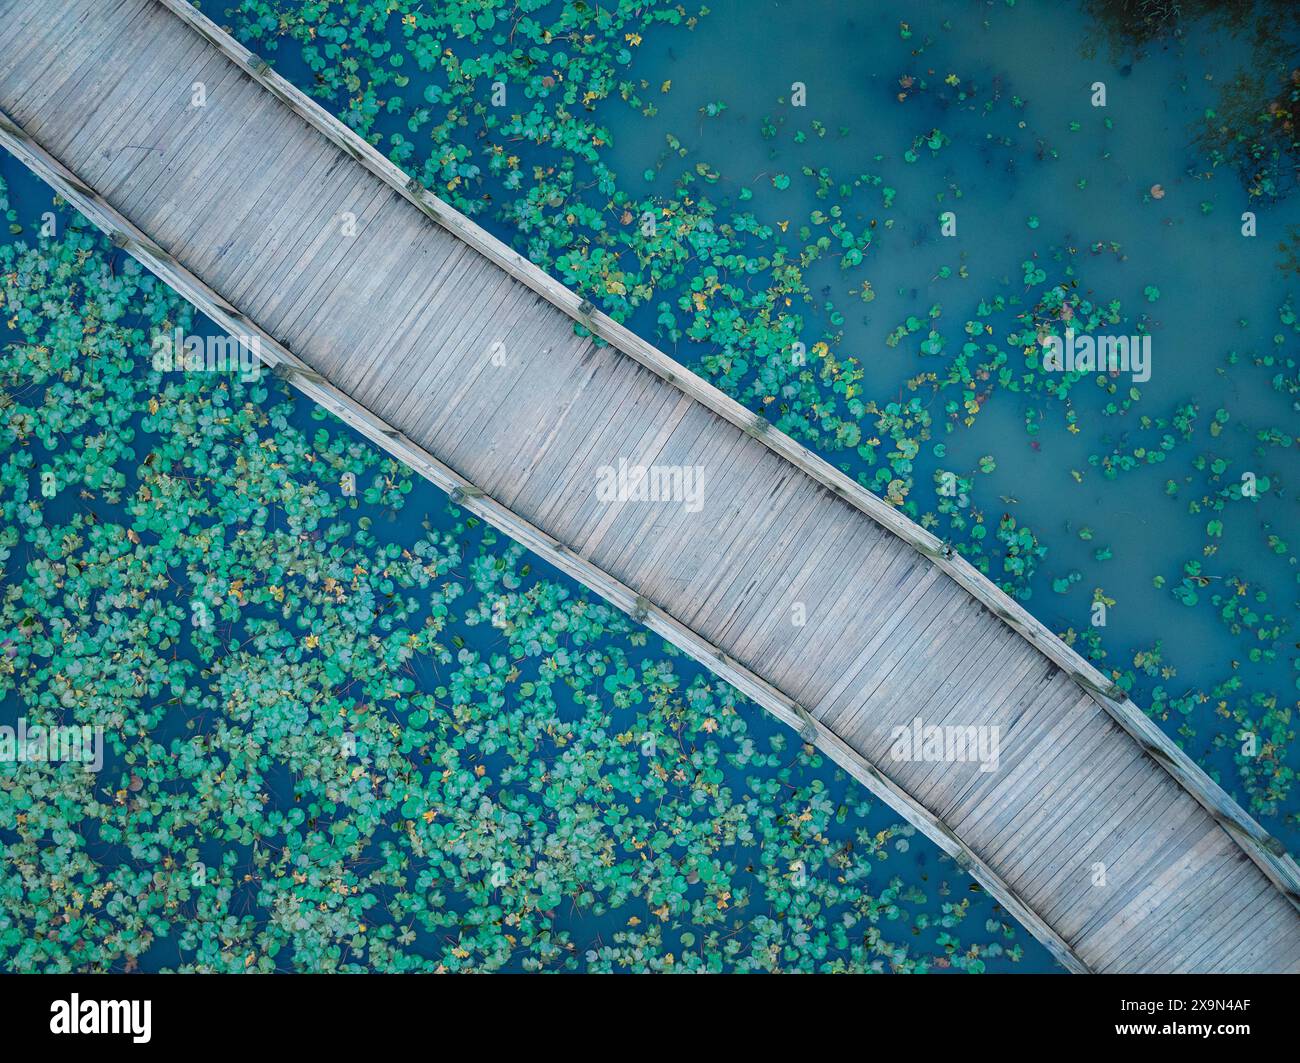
(823, 604)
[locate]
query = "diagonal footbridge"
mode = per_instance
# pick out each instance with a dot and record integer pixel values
(460, 358)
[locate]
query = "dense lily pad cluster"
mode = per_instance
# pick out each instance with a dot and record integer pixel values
(336, 743)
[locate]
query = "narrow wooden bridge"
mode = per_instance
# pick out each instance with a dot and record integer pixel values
(459, 357)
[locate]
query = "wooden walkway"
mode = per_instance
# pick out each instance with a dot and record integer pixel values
(451, 351)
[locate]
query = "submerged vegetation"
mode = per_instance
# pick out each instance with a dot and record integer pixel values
(1253, 129)
(1256, 131)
